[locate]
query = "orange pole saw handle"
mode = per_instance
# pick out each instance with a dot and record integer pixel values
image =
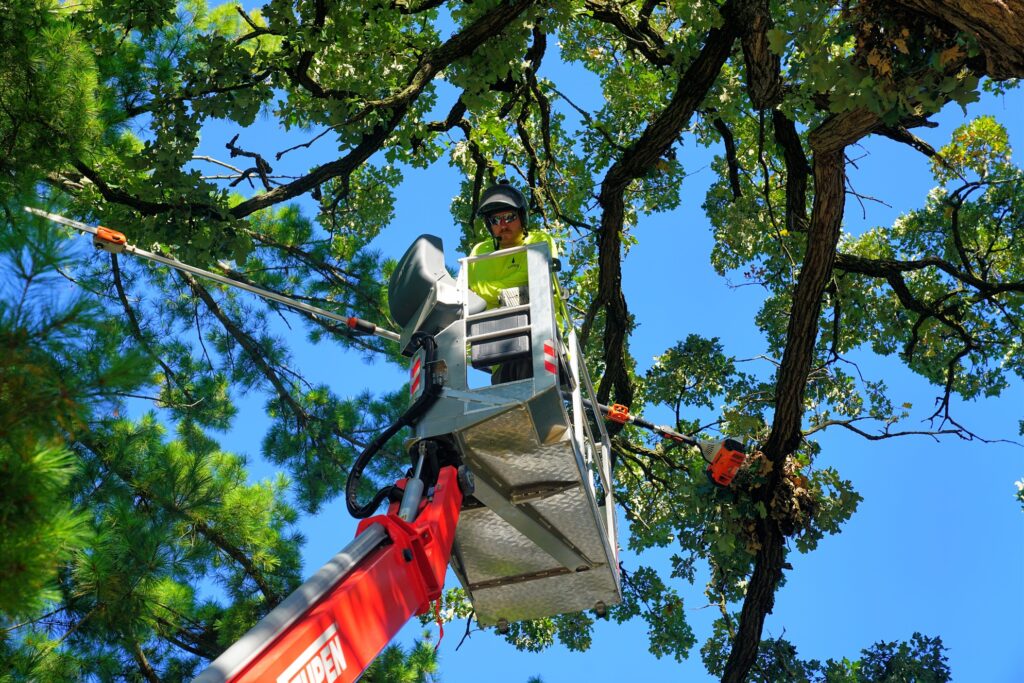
(109, 240)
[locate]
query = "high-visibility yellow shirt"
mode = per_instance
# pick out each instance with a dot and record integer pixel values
(487, 278)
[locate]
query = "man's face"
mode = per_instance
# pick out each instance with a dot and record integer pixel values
(506, 227)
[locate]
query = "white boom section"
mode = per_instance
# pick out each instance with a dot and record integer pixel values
(175, 263)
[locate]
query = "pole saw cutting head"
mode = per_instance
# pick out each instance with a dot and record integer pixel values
(724, 458)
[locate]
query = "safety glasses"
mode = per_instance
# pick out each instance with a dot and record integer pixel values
(502, 218)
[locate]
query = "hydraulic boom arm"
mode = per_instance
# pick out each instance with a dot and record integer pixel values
(332, 626)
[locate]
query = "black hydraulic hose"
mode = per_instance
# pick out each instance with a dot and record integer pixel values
(431, 392)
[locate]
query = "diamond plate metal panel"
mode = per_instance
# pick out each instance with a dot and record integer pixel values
(545, 597)
(509, 575)
(493, 550)
(571, 514)
(508, 446)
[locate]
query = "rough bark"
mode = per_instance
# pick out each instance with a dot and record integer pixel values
(998, 26)
(797, 171)
(828, 143)
(764, 80)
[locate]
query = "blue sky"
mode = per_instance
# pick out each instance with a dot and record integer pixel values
(936, 545)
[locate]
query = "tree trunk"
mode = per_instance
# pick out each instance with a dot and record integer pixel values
(998, 26)
(828, 142)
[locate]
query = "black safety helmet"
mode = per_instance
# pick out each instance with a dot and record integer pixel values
(502, 197)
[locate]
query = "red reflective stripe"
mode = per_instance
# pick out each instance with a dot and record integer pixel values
(415, 376)
(549, 358)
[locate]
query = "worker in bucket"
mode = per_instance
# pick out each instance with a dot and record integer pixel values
(503, 209)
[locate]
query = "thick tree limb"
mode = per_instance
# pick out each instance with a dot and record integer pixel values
(797, 171)
(405, 7)
(828, 142)
(886, 268)
(641, 37)
(998, 26)
(144, 666)
(145, 207)
(730, 155)
(636, 161)
(901, 134)
(764, 81)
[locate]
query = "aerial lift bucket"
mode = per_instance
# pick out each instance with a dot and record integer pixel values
(538, 536)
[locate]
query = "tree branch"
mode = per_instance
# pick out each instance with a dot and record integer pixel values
(215, 537)
(636, 161)
(641, 37)
(133, 324)
(730, 155)
(144, 666)
(997, 25)
(828, 142)
(889, 268)
(797, 171)
(251, 347)
(764, 80)
(461, 44)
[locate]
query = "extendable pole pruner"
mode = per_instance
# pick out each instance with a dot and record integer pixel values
(724, 457)
(116, 243)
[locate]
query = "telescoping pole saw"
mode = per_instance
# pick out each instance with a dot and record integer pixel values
(724, 457)
(116, 243)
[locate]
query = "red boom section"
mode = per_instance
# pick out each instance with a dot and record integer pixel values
(340, 635)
